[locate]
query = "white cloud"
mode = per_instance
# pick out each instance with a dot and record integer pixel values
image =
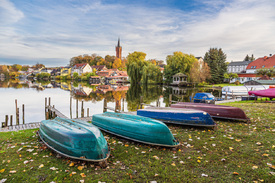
(8, 13)
(66, 30)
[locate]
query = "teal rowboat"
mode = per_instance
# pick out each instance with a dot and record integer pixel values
(74, 139)
(137, 128)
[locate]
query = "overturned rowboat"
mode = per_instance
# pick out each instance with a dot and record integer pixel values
(216, 111)
(189, 117)
(136, 128)
(74, 139)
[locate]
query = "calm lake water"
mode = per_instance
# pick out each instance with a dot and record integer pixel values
(122, 97)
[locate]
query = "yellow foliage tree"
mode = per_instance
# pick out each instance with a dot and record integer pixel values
(117, 63)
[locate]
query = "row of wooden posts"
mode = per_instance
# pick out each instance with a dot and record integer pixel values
(9, 121)
(51, 112)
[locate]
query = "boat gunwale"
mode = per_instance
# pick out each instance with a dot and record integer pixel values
(73, 157)
(140, 140)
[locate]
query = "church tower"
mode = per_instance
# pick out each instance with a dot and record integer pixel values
(118, 49)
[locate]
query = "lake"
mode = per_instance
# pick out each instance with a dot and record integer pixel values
(62, 94)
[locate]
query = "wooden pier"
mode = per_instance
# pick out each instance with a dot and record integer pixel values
(20, 127)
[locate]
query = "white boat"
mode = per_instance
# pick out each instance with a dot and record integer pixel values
(242, 90)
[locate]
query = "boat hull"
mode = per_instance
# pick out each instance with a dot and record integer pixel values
(75, 139)
(270, 93)
(189, 117)
(216, 111)
(137, 128)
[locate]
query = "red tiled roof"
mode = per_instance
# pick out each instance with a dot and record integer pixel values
(80, 65)
(98, 67)
(267, 62)
(247, 75)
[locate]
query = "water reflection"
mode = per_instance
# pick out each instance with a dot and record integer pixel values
(121, 97)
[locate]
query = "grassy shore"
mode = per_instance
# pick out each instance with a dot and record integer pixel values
(234, 152)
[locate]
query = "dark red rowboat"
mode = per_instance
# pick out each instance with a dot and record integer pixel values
(216, 111)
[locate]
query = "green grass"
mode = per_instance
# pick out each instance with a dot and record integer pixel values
(234, 152)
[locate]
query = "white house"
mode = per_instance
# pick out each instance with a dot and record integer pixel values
(81, 68)
(237, 67)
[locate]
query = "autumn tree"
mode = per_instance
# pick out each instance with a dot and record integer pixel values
(117, 63)
(215, 58)
(199, 72)
(178, 63)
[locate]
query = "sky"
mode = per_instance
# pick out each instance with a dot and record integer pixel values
(51, 32)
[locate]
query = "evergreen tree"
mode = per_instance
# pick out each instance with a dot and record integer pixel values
(215, 58)
(247, 58)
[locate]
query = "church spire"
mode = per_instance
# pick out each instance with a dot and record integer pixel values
(118, 43)
(118, 49)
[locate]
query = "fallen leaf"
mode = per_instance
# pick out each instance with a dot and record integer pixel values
(83, 175)
(231, 148)
(41, 166)
(81, 181)
(53, 168)
(204, 175)
(1, 171)
(173, 164)
(71, 164)
(156, 157)
(235, 173)
(265, 155)
(80, 167)
(238, 140)
(126, 145)
(198, 161)
(13, 171)
(254, 167)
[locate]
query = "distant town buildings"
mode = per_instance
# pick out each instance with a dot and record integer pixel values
(249, 73)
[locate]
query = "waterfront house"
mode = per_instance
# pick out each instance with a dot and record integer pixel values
(238, 67)
(64, 71)
(179, 79)
(81, 68)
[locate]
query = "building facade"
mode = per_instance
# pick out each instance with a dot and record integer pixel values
(238, 67)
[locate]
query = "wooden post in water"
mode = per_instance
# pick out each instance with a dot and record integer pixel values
(71, 107)
(76, 108)
(23, 113)
(46, 114)
(104, 105)
(16, 112)
(6, 120)
(11, 120)
(170, 99)
(141, 101)
(87, 112)
(17, 116)
(49, 101)
(82, 109)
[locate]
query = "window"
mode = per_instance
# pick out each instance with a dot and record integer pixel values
(252, 67)
(263, 66)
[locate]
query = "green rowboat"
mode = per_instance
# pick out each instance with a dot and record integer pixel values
(74, 139)
(137, 128)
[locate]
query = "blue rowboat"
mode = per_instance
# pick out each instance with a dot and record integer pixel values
(137, 128)
(178, 116)
(74, 139)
